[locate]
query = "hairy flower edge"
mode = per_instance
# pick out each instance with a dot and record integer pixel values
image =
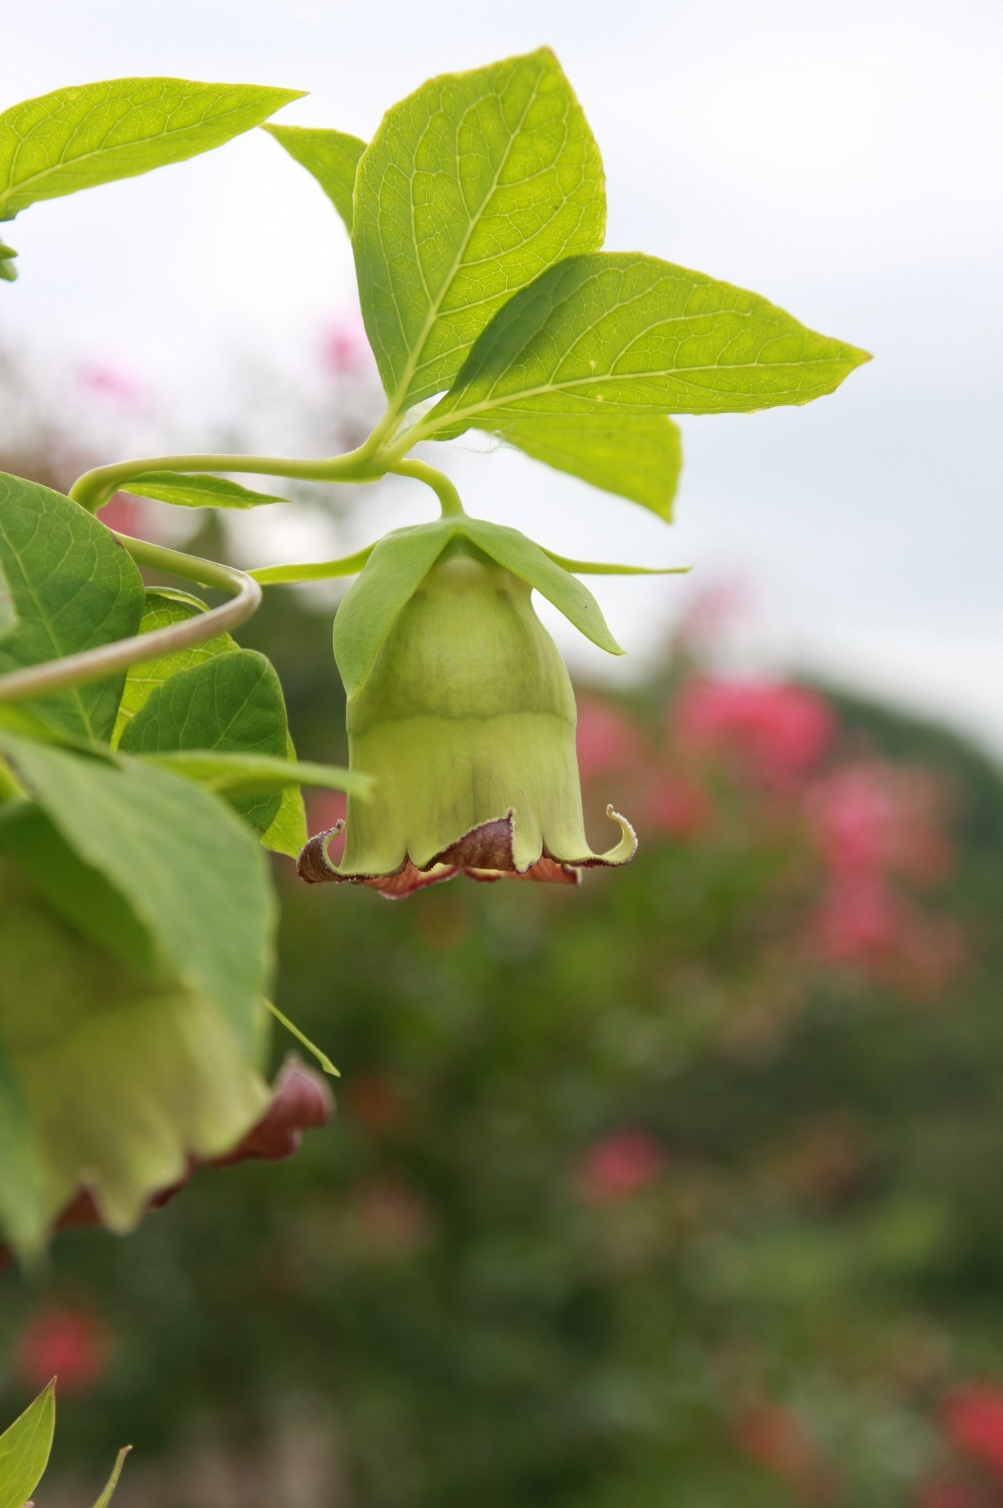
(484, 853)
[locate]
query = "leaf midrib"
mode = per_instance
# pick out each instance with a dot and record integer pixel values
(453, 416)
(64, 162)
(435, 306)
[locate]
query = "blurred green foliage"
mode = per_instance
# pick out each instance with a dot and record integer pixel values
(636, 1196)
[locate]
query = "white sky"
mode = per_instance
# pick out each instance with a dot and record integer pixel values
(843, 159)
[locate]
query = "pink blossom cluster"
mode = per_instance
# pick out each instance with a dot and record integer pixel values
(873, 831)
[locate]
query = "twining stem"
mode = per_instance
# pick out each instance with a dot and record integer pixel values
(94, 488)
(94, 664)
(443, 488)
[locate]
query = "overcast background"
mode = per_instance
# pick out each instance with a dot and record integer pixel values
(843, 159)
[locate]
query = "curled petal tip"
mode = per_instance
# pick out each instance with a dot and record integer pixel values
(625, 850)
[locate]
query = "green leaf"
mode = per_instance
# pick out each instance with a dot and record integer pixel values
(288, 833)
(524, 558)
(258, 774)
(8, 272)
(190, 870)
(112, 1482)
(8, 612)
(638, 336)
(74, 587)
(77, 891)
(321, 570)
(164, 607)
(471, 187)
(398, 564)
(78, 137)
(24, 1449)
(331, 156)
(311, 1047)
(637, 456)
(231, 703)
(196, 491)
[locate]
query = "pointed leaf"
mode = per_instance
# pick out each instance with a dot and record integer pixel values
(524, 558)
(607, 568)
(331, 156)
(471, 187)
(231, 703)
(164, 607)
(311, 1047)
(638, 336)
(321, 570)
(196, 491)
(94, 133)
(288, 833)
(74, 587)
(188, 867)
(24, 1449)
(637, 456)
(112, 1482)
(395, 569)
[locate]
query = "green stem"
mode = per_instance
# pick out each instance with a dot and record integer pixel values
(443, 488)
(94, 664)
(94, 488)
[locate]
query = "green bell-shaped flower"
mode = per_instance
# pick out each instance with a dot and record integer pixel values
(109, 1082)
(467, 719)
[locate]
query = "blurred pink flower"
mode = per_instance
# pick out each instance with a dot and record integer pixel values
(859, 919)
(873, 816)
(780, 732)
(855, 816)
(108, 381)
(618, 1165)
(127, 515)
(863, 923)
(344, 348)
(71, 1344)
(972, 1418)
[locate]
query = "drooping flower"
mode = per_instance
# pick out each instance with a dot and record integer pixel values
(467, 719)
